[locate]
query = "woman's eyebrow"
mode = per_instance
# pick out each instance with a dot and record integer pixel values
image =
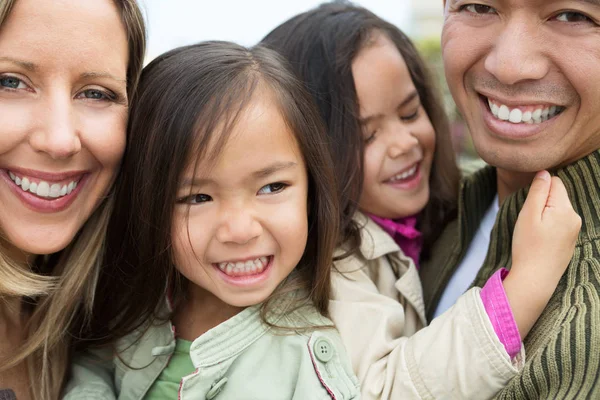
(92, 75)
(23, 64)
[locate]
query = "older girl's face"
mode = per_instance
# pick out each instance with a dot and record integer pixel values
(63, 102)
(399, 137)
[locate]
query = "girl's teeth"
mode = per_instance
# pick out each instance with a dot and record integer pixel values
(517, 116)
(241, 268)
(42, 188)
(405, 175)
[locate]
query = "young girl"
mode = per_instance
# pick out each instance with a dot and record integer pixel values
(219, 251)
(392, 152)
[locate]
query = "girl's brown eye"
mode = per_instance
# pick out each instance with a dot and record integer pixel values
(371, 137)
(199, 198)
(272, 188)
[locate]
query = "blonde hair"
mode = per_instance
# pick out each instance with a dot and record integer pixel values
(63, 288)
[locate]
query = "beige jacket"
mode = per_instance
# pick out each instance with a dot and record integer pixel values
(377, 306)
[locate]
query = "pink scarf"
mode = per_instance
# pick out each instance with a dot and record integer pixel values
(404, 233)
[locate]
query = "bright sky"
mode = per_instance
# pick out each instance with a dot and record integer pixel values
(173, 23)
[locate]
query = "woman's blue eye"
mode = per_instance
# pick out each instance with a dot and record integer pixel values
(94, 94)
(10, 82)
(272, 188)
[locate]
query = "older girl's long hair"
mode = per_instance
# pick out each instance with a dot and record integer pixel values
(59, 289)
(189, 98)
(321, 45)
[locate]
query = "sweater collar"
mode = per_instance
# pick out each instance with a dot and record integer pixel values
(581, 179)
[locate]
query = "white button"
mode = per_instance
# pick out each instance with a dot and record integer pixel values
(323, 350)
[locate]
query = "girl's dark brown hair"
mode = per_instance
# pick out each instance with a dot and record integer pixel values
(184, 99)
(321, 45)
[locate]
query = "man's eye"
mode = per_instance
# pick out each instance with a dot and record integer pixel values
(572, 16)
(478, 9)
(272, 188)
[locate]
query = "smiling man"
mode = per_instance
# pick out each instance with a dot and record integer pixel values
(526, 76)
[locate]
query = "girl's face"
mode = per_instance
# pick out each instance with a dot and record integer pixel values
(247, 225)
(399, 137)
(63, 101)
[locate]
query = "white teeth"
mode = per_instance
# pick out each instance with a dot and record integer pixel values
(517, 116)
(242, 268)
(503, 112)
(405, 174)
(25, 184)
(495, 110)
(54, 190)
(43, 188)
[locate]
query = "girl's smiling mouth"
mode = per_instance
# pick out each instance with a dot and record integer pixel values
(245, 268)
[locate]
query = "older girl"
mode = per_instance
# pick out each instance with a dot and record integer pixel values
(68, 70)
(392, 151)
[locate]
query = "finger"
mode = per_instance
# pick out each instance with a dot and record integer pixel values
(538, 194)
(558, 196)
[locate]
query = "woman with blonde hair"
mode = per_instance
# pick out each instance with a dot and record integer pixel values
(68, 70)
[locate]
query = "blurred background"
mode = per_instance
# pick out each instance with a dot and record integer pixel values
(175, 23)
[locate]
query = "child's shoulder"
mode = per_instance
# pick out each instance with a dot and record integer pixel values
(309, 354)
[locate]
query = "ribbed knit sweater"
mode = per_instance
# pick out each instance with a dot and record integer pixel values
(563, 348)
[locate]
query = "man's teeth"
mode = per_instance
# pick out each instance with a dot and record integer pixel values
(404, 175)
(517, 116)
(43, 188)
(243, 268)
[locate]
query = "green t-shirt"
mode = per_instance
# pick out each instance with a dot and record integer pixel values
(180, 365)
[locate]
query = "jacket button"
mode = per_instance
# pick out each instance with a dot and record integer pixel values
(216, 388)
(323, 350)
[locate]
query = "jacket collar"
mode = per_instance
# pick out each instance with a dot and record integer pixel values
(375, 242)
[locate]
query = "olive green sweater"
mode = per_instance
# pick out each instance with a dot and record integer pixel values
(563, 348)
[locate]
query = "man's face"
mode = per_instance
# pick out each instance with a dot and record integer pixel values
(526, 76)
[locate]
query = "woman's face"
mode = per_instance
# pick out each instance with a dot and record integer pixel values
(63, 102)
